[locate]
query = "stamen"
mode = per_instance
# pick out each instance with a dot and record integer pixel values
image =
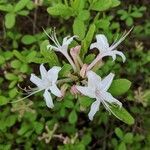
(26, 96)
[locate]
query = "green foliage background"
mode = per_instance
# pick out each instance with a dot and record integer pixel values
(29, 124)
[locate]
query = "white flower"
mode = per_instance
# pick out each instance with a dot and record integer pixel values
(47, 83)
(105, 50)
(63, 48)
(97, 89)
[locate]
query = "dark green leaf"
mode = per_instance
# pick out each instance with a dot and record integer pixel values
(72, 117)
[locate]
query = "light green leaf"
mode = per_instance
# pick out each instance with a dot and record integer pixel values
(115, 3)
(101, 5)
(78, 5)
(119, 87)
(10, 20)
(60, 10)
(122, 114)
(87, 40)
(65, 71)
(79, 28)
(28, 39)
(119, 133)
(84, 15)
(3, 100)
(20, 5)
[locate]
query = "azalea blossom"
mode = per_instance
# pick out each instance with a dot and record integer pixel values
(105, 50)
(47, 83)
(63, 48)
(97, 88)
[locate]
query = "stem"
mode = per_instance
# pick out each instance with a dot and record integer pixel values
(70, 61)
(94, 62)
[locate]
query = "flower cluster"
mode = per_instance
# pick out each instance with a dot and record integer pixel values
(93, 86)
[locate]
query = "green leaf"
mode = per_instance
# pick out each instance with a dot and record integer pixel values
(20, 5)
(28, 39)
(87, 40)
(128, 138)
(16, 64)
(122, 114)
(86, 139)
(83, 15)
(65, 71)
(2, 60)
(73, 117)
(122, 146)
(85, 101)
(30, 57)
(68, 103)
(49, 54)
(38, 127)
(119, 87)
(3, 100)
(10, 20)
(101, 5)
(19, 56)
(119, 133)
(115, 3)
(78, 5)
(11, 76)
(10, 120)
(79, 28)
(60, 10)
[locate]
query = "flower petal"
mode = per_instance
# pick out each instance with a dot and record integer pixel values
(106, 82)
(102, 40)
(67, 41)
(53, 73)
(53, 48)
(43, 71)
(48, 99)
(120, 54)
(37, 81)
(86, 91)
(93, 80)
(54, 89)
(110, 99)
(94, 108)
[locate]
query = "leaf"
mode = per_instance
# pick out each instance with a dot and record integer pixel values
(119, 87)
(28, 39)
(122, 146)
(10, 120)
(78, 5)
(122, 114)
(72, 117)
(20, 5)
(19, 56)
(115, 3)
(79, 28)
(128, 138)
(119, 133)
(60, 10)
(85, 101)
(10, 20)
(87, 40)
(83, 15)
(65, 71)
(49, 54)
(3, 100)
(101, 5)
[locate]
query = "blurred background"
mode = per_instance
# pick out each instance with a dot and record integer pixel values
(29, 124)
